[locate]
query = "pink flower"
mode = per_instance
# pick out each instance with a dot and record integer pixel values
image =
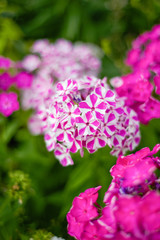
(137, 88)
(150, 212)
(64, 132)
(5, 63)
(8, 103)
(62, 154)
(76, 144)
(95, 141)
(23, 80)
(92, 230)
(83, 209)
(5, 81)
(50, 140)
(131, 212)
(134, 169)
(67, 87)
(87, 124)
(93, 104)
(70, 112)
(149, 110)
(109, 123)
(91, 193)
(75, 228)
(34, 125)
(127, 213)
(31, 62)
(107, 95)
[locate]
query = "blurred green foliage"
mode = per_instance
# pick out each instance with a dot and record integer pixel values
(27, 169)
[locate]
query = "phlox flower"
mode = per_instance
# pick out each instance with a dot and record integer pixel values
(86, 124)
(5, 63)
(94, 105)
(63, 155)
(141, 87)
(93, 122)
(6, 80)
(23, 80)
(73, 108)
(8, 103)
(131, 211)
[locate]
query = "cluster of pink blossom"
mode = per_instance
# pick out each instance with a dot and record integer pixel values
(21, 80)
(50, 63)
(8, 100)
(141, 88)
(132, 203)
(72, 110)
(85, 113)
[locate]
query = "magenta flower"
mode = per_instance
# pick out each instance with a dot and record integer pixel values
(5, 63)
(75, 229)
(87, 124)
(50, 140)
(73, 108)
(5, 81)
(108, 125)
(64, 132)
(76, 144)
(107, 96)
(83, 210)
(75, 127)
(23, 80)
(67, 87)
(150, 212)
(127, 213)
(93, 104)
(135, 168)
(8, 103)
(96, 140)
(139, 87)
(62, 154)
(131, 211)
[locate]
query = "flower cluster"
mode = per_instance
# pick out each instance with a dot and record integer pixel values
(10, 76)
(85, 113)
(50, 63)
(132, 209)
(72, 110)
(8, 100)
(141, 88)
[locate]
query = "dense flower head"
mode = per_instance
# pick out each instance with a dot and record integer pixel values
(73, 108)
(132, 208)
(81, 113)
(141, 88)
(50, 63)
(11, 77)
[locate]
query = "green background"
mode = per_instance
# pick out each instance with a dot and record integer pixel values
(35, 190)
